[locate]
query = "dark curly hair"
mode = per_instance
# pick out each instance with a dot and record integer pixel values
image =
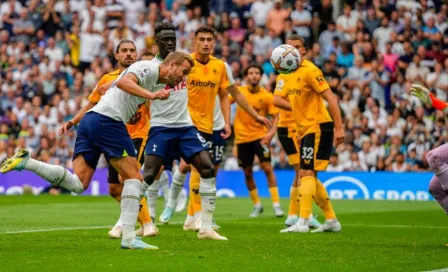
(164, 26)
(246, 71)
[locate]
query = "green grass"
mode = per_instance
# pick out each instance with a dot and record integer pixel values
(387, 236)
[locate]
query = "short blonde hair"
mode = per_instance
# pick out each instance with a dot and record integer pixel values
(179, 58)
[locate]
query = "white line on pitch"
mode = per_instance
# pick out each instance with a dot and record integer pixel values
(68, 228)
(234, 222)
(439, 270)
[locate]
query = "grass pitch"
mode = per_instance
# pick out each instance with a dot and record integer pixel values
(66, 233)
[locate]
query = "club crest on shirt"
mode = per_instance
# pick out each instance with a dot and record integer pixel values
(280, 85)
(144, 71)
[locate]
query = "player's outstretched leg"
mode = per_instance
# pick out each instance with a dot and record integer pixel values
(55, 174)
(273, 188)
(176, 187)
(207, 189)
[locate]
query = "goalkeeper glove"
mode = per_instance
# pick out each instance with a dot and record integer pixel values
(428, 98)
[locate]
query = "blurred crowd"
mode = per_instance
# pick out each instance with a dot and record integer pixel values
(52, 53)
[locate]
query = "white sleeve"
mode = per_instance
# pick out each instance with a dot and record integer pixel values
(229, 74)
(144, 72)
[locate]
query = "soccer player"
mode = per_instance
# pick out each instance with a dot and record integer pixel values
(438, 157)
(103, 131)
(172, 133)
(287, 134)
(306, 89)
(138, 127)
(252, 139)
(208, 79)
(165, 38)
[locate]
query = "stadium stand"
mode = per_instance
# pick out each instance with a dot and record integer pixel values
(52, 53)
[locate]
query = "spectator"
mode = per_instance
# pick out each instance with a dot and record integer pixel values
(259, 11)
(53, 52)
(390, 59)
(301, 20)
(23, 28)
(345, 58)
(417, 73)
(346, 24)
(399, 165)
(275, 21)
(91, 43)
(354, 164)
(379, 80)
(51, 19)
(325, 14)
(438, 80)
(382, 34)
(334, 165)
(262, 43)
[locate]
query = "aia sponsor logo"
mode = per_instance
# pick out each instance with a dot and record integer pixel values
(182, 85)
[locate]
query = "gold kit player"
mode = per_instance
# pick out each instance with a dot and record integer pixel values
(137, 127)
(303, 92)
(253, 139)
(207, 80)
(287, 134)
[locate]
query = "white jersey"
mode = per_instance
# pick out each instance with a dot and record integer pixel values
(120, 105)
(218, 118)
(172, 112)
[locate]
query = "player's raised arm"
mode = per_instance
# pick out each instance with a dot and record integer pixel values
(242, 102)
(428, 98)
(130, 84)
(103, 88)
(281, 95)
(282, 103)
(270, 134)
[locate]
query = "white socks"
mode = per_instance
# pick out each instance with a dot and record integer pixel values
(151, 197)
(164, 186)
(153, 192)
(207, 189)
(56, 175)
(176, 188)
(130, 205)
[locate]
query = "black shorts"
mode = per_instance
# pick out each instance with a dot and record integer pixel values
(139, 145)
(215, 144)
(288, 140)
(247, 152)
(316, 147)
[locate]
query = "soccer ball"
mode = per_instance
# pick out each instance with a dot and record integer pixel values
(285, 59)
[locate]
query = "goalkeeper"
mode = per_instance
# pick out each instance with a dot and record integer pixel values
(438, 157)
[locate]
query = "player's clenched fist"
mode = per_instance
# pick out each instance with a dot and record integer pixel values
(162, 94)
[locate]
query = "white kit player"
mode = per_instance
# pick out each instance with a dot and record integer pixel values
(103, 131)
(173, 135)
